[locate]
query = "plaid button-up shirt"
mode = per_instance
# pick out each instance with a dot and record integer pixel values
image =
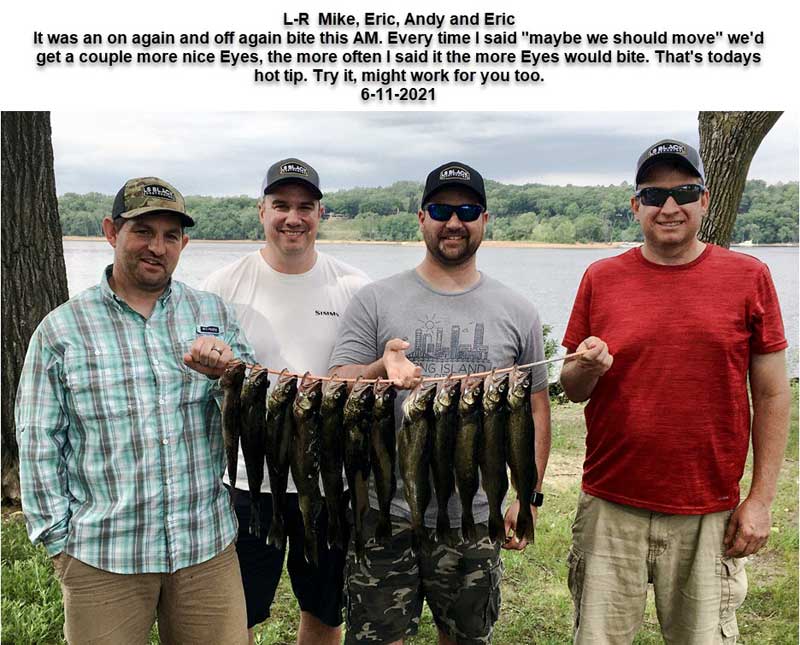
(121, 451)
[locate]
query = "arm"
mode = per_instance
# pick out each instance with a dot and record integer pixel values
(540, 407)
(579, 376)
(749, 526)
(42, 426)
(393, 364)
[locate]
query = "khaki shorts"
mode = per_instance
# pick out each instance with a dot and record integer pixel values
(617, 550)
(384, 593)
(199, 604)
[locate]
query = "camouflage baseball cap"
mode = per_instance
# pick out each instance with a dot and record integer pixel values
(149, 195)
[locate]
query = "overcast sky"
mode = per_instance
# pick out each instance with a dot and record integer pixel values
(227, 153)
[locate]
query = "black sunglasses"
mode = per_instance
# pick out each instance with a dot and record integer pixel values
(465, 212)
(681, 194)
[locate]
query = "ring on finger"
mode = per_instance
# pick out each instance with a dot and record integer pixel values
(216, 349)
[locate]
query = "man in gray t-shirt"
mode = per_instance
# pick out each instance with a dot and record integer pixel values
(442, 317)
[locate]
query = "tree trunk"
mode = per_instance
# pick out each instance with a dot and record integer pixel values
(34, 278)
(728, 141)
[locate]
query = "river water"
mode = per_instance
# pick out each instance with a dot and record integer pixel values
(548, 277)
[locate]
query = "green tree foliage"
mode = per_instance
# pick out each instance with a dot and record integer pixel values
(768, 214)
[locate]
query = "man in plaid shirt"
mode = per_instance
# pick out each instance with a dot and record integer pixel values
(121, 452)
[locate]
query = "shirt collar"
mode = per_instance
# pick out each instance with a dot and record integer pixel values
(111, 297)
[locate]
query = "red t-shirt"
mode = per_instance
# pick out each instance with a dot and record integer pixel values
(669, 423)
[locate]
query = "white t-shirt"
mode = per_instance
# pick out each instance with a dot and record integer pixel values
(290, 320)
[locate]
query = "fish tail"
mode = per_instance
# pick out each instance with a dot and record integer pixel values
(416, 543)
(255, 517)
(443, 531)
(334, 530)
(524, 523)
(343, 538)
(497, 528)
(383, 530)
(360, 549)
(277, 531)
(468, 527)
(312, 553)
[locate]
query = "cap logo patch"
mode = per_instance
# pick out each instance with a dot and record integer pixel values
(160, 192)
(294, 169)
(454, 172)
(668, 148)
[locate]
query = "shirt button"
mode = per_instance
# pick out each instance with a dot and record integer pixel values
(97, 352)
(161, 401)
(155, 361)
(168, 481)
(165, 441)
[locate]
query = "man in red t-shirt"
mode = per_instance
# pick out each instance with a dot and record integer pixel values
(671, 332)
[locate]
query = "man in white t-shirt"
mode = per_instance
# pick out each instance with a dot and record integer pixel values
(289, 299)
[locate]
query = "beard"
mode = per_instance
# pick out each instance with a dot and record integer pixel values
(144, 280)
(449, 254)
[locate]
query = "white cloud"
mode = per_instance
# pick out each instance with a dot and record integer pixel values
(227, 153)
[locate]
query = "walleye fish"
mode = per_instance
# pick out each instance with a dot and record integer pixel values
(278, 442)
(253, 401)
(493, 451)
(383, 456)
(468, 443)
(357, 427)
(520, 448)
(334, 395)
(305, 456)
(231, 384)
(414, 446)
(445, 412)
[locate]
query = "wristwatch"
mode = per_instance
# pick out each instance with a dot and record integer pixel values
(537, 498)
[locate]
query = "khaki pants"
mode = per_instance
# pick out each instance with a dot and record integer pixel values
(617, 550)
(199, 604)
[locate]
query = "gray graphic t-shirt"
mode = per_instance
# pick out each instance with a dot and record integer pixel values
(484, 327)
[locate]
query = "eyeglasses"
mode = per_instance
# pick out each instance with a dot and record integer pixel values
(685, 194)
(465, 212)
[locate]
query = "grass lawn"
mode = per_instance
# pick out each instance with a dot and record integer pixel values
(536, 605)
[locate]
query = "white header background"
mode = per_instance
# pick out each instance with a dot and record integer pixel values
(772, 84)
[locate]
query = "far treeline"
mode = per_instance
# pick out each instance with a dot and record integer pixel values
(768, 214)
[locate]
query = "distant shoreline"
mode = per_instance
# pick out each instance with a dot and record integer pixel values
(486, 243)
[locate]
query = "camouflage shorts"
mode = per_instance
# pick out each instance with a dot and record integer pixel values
(384, 592)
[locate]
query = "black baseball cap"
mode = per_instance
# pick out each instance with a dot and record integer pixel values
(454, 173)
(144, 195)
(672, 149)
(291, 171)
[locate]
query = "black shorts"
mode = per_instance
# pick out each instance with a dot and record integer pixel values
(319, 590)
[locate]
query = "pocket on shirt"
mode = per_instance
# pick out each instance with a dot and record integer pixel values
(102, 382)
